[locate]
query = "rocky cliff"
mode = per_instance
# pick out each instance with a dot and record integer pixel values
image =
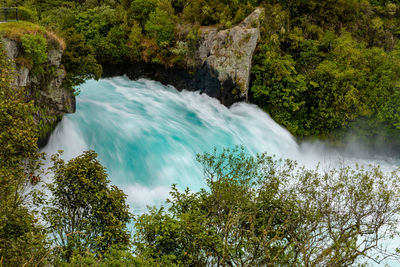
(224, 59)
(45, 88)
(220, 66)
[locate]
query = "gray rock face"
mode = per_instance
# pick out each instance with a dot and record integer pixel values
(46, 89)
(225, 56)
(12, 48)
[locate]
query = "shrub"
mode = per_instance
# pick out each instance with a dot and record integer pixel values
(141, 9)
(134, 40)
(22, 240)
(161, 27)
(79, 60)
(35, 48)
(113, 47)
(84, 213)
(27, 14)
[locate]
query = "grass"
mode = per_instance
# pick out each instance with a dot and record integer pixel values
(15, 30)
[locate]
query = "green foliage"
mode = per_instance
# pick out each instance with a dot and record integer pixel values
(59, 18)
(114, 47)
(141, 10)
(94, 24)
(44, 5)
(338, 77)
(79, 60)
(46, 125)
(161, 27)
(134, 40)
(278, 85)
(84, 212)
(27, 14)
(35, 49)
(258, 211)
(22, 239)
(114, 258)
(208, 12)
(16, 30)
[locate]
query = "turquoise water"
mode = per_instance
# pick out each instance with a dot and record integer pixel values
(147, 136)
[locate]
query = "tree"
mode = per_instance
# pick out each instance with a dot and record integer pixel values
(141, 10)
(35, 48)
(79, 59)
(84, 212)
(22, 240)
(134, 39)
(259, 211)
(161, 27)
(279, 88)
(114, 46)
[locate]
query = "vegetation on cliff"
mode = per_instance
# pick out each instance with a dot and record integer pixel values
(321, 69)
(36, 54)
(16, 30)
(85, 214)
(22, 238)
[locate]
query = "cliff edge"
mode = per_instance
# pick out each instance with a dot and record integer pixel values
(36, 57)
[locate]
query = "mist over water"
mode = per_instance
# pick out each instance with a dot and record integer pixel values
(147, 136)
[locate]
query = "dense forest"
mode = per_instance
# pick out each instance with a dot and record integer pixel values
(324, 69)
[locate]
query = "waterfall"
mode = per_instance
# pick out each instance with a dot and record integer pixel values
(147, 135)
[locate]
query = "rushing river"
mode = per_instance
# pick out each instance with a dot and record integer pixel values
(147, 136)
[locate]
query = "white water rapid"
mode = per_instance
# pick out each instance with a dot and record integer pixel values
(147, 136)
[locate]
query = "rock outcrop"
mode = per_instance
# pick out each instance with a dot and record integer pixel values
(58, 99)
(52, 99)
(225, 56)
(220, 66)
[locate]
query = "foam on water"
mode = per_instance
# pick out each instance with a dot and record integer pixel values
(147, 136)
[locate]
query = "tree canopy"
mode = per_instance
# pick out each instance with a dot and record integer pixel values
(260, 211)
(85, 213)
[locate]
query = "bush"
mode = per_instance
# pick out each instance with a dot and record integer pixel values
(141, 10)
(161, 27)
(134, 42)
(113, 47)
(84, 213)
(35, 48)
(27, 14)
(259, 211)
(22, 239)
(79, 60)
